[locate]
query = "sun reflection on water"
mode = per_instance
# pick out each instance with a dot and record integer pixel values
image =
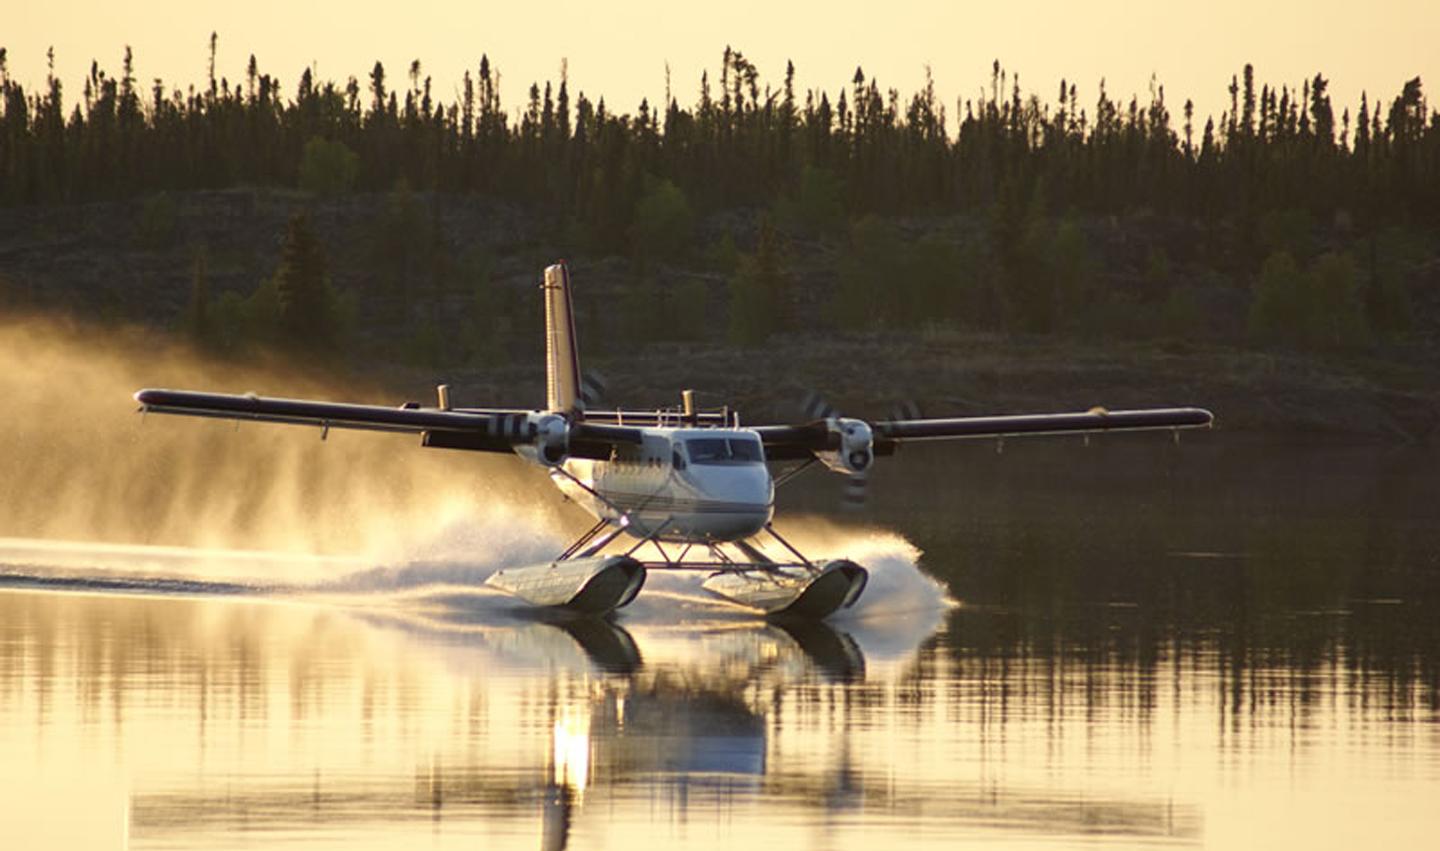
(572, 750)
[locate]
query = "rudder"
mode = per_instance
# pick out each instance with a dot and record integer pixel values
(562, 355)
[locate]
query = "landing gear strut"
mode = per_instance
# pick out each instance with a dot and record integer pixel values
(583, 580)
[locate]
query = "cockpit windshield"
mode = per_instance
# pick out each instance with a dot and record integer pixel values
(723, 450)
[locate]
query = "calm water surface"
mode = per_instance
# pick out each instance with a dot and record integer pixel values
(1221, 645)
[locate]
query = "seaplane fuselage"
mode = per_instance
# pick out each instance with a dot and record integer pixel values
(684, 485)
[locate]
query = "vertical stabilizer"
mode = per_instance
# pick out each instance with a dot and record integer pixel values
(562, 356)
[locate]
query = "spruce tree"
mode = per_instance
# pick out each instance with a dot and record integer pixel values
(305, 321)
(759, 291)
(198, 322)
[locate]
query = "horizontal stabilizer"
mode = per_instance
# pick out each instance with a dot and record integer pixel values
(661, 418)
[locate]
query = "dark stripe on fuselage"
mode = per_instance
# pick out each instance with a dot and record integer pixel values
(630, 502)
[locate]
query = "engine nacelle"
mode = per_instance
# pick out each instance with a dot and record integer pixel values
(854, 444)
(549, 441)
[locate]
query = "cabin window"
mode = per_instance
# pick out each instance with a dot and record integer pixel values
(628, 455)
(724, 450)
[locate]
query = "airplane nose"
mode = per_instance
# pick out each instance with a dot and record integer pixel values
(753, 485)
(748, 483)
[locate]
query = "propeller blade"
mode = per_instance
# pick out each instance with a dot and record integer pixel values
(906, 410)
(901, 412)
(853, 498)
(856, 488)
(592, 389)
(816, 408)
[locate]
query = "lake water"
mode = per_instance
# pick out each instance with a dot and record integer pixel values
(1223, 644)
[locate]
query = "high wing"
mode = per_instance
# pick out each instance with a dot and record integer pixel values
(797, 441)
(483, 430)
(1093, 420)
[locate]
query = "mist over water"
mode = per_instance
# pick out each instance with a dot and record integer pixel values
(439, 581)
(78, 463)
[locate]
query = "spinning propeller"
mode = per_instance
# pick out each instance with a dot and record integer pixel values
(592, 389)
(853, 451)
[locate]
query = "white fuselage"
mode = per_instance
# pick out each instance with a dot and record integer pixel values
(688, 485)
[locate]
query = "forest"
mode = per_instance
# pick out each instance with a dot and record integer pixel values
(1277, 223)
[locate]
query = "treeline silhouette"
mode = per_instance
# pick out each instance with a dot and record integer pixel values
(1279, 221)
(739, 143)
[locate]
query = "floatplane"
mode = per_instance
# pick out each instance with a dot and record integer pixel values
(677, 489)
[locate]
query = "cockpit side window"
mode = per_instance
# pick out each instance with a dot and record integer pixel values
(745, 449)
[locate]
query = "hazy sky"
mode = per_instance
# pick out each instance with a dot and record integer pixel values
(619, 50)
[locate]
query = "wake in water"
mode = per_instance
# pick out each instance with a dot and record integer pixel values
(459, 558)
(673, 623)
(436, 585)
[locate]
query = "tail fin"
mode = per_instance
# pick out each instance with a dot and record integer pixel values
(562, 356)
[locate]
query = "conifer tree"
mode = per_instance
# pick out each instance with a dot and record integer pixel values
(199, 325)
(758, 291)
(300, 284)
(1322, 116)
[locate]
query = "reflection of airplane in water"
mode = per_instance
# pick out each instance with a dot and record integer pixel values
(829, 653)
(698, 737)
(687, 740)
(746, 649)
(675, 727)
(690, 488)
(302, 721)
